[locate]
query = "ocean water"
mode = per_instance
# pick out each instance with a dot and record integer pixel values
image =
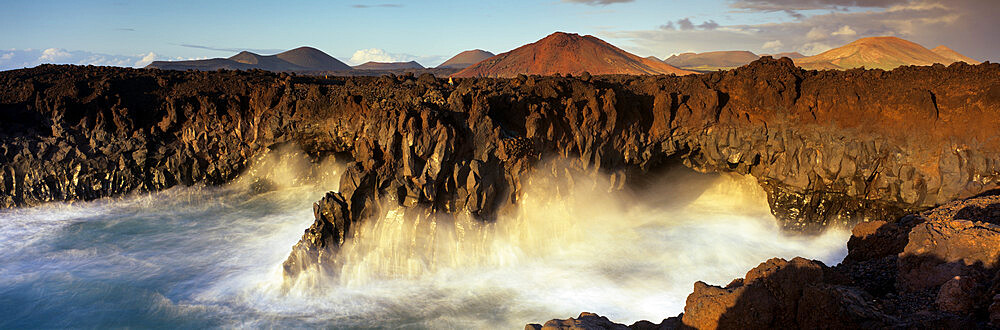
(193, 257)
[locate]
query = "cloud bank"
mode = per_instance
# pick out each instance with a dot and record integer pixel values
(27, 58)
(380, 55)
(964, 25)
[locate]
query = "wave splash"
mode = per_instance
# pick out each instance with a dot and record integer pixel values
(574, 243)
(201, 256)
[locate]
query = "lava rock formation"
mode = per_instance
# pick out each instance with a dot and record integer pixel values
(829, 147)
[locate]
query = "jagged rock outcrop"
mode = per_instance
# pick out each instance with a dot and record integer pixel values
(936, 269)
(80, 133)
(828, 147)
(827, 152)
(584, 321)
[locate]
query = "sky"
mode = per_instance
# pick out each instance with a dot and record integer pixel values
(134, 33)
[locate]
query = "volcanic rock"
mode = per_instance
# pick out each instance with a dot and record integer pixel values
(957, 295)
(584, 321)
(946, 246)
(782, 294)
(466, 59)
(833, 147)
(829, 148)
(995, 311)
(567, 53)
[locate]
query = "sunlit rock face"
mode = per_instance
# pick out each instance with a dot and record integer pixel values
(827, 147)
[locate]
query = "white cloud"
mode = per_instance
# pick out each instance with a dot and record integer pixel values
(378, 55)
(145, 60)
(816, 33)
(845, 31)
(54, 55)
(26, 58)
(773, 44)
(814, 48)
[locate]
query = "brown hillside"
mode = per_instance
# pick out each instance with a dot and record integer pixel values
(874, 53)
(466, 59)
(953, 55)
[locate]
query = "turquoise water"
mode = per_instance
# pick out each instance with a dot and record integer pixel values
(194, 257)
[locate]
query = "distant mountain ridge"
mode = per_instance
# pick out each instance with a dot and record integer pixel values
(720, 60)
(568, 53)
(712, 60)
(884, 53)
(298, 59)
(466, 59)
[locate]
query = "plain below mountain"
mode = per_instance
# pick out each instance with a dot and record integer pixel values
(568, 53)
(884, 53)
(466, 59)
(388, 66)
(298, 59)
(791, 55)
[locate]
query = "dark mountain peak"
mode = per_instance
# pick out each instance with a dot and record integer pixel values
(298, 59)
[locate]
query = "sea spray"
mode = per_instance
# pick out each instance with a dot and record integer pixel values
(211, 256)
(574, 242)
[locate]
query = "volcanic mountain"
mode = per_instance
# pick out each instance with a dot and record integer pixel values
(387, 66)
(711, 61)
(874, 53)
(569, 53)
(953, 55)
(298, 59)
(466, 59)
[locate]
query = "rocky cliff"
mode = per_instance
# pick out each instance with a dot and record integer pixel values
(828, 147)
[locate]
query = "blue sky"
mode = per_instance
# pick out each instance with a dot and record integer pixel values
(120, 32)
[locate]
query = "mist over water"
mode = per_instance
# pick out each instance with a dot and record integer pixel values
(198, 256)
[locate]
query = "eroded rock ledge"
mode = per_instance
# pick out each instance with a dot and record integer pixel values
(830, 147)
(939, 269)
